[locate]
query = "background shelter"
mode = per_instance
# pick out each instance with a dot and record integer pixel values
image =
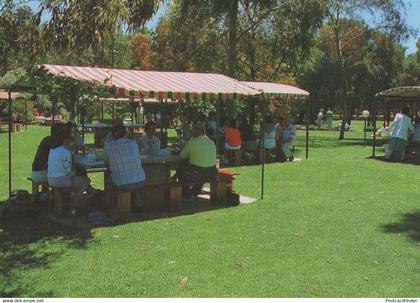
(403, 94)
(283, 91)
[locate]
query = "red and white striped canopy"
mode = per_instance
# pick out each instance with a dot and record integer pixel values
(277, 89)
(161, 85)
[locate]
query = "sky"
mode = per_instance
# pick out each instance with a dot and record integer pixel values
(412, 16)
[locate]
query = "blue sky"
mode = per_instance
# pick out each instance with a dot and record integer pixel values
(413, 20)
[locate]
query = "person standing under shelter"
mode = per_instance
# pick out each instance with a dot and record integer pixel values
(399, 129)
(124, 161)
(200, 164)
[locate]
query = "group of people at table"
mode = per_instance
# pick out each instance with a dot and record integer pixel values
(402, 134)
(278, 136)
(54, 162)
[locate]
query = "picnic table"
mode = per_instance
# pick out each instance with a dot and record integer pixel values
(157, 169)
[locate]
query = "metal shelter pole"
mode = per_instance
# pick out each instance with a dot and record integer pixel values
(262, 147)
(10, 140)
(374, 128)
(26, 114)
(308, 114)
(217, 123)
(53, 99)
(82, 114)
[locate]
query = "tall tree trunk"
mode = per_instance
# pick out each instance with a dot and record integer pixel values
(233, 37)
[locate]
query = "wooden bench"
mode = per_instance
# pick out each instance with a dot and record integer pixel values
(16, 127)
(35, 188)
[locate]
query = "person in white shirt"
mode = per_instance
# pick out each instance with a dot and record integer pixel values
(319, 118)
(60, 172)
(149, 143)
(399, 129)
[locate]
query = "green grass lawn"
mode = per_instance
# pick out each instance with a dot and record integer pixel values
(336, 225)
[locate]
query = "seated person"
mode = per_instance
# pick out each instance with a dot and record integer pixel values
(123, 159)
(60, 172)
(232, 136)
(249, 140)
(77, 144)
(149, 143)
(269, 141)
(40, 162)
(211, 127)
(416, 134)
(200, 164)
(185, 130)
(288, 137)
(116, 122)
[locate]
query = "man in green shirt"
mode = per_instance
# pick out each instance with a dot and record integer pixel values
(200, 164)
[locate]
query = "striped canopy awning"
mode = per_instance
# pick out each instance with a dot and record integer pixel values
(278, 90)
(160, 85)
(407, 93)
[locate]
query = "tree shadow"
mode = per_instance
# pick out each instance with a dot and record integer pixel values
(409, 225)
(24, 245)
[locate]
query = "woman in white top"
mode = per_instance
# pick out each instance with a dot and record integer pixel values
(400, 130)
(149, 143)
(60, 173)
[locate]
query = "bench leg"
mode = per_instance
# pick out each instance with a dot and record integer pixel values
(218, 192)
(175, 198)
(124, 203)
(237, 158)
(35, 191)
(58, 203)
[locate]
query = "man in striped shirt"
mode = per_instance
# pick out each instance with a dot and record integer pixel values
(123, 158)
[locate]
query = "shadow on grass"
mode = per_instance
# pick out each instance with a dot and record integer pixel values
(409, 225)
(24, 245)
(412, 161)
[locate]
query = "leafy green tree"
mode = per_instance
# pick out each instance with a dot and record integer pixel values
(19, 36)
(388, 17)
(79, 25)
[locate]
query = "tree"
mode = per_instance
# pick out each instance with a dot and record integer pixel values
(411, 74)
(142, 53)
(78, 25)
(389, 19)
(230, 10)
(18, 36)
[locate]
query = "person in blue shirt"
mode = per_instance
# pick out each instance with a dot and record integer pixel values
(124, 162)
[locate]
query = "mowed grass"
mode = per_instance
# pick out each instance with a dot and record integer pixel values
(336, 225)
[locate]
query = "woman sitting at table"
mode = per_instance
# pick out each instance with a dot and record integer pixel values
(149, 143)
(232, 136)
(123, 159)
(60, 172)
(77, 144)
(269, 141)
(40, 162)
